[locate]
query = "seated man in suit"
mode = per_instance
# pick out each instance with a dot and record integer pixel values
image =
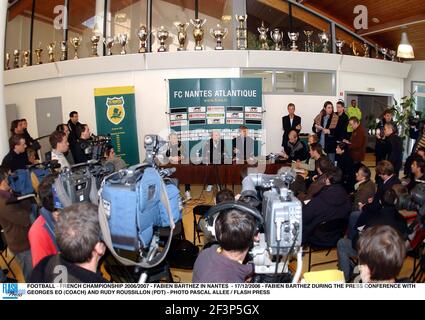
(289, 123)
(215, 152)
(243, 146)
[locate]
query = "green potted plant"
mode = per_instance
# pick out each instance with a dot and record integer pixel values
(404, 112)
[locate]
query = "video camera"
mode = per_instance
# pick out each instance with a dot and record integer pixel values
(416, 121)
(415, 201)
(134, 204)
(95, 147)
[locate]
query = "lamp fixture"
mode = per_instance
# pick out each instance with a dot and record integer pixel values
(405, 49)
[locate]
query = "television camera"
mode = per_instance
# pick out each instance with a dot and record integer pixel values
(415, 201)
(134, 204)
(95, 147)
(416, 121)
(281, 233)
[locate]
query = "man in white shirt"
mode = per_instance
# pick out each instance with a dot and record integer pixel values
(59, 143)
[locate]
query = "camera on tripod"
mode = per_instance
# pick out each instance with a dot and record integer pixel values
(96, 146)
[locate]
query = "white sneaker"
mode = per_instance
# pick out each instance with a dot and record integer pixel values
(188, 195)
(209, 188)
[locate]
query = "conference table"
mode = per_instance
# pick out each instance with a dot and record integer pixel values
(221, 174)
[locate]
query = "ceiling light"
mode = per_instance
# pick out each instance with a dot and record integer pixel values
(405, 49)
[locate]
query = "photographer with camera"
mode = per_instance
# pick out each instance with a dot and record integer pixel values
(78, 237)
(224, 263)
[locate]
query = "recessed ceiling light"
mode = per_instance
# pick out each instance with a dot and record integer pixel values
(376, 20)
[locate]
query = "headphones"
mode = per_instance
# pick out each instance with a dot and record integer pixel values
(212, 215)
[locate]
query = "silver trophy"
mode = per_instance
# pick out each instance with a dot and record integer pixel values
(51, 51)
(198, 32)
(181, 34)
(64, 51)
(293, 36)
(26, 56)
(277, 37)
(38, 52)
(241, 33)
(366, 50)
(94, 43)
(7, 62)
(384, 52)
(353, 47)
(76, 42)
(143, 35)
(109, 44)
(308, 46)
(393, 55)
(340, 44)
(122, 40)
(219, 33)
(162, 35)
(16, 58)
(324, 39)
(263, 36)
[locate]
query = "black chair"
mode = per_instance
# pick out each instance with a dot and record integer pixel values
(3, 253)
(199, 211)
(325, 237)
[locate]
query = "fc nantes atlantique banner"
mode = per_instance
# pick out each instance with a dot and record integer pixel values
(116, 115)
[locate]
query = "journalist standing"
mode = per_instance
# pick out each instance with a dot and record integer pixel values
(289, 123)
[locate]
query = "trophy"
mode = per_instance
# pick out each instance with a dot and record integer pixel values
(384, 51)
(38, 53)
(94, 43)
(393, 54)
(51, 51)
(198, 32)
(277, 38)
(109, 43)
(219, 34)
(354, 48)
(7, 62)
(263, 36)
(324, 39)
(16, 56)
(162, 35)
(376, 51)
(366, 50)
(122, 40)
(76, 42)
(26, 56)
(143, 35)
(293, 36)
(308, 47)
(241, 33)
(340, 44)
(64, 51)
(181, 34)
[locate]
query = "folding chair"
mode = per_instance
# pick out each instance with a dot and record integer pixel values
(3, 253)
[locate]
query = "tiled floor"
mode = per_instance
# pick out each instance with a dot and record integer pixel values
(203, 197)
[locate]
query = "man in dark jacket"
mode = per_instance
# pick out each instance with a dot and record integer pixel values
(78, 236)
(295, 149)
(243, 146)
(83, 142)
(17, 157)
(394, 147)
(346, 164)
(341, 128)
(331, 203)
(358, 141)
(289, 123)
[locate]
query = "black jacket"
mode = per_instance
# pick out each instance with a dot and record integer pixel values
(394, 151)
(341, 128)
(346, 164)
(332, 202)
(45, 272)
(286, 126)
(295, 152)
(330, 139)
(245, 147)
(15, 161)
(381, 188)
(79, 153)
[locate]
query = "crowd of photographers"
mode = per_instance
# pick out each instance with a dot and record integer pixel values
(331, 185)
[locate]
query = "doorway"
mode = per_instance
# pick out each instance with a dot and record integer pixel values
(49, 115)
(372, 107)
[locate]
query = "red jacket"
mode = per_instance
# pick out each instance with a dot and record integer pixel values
(40, 241)
(358, 144)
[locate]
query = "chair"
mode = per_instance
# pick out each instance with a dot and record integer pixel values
(3, 253)
(200, 211)
(325, 237)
